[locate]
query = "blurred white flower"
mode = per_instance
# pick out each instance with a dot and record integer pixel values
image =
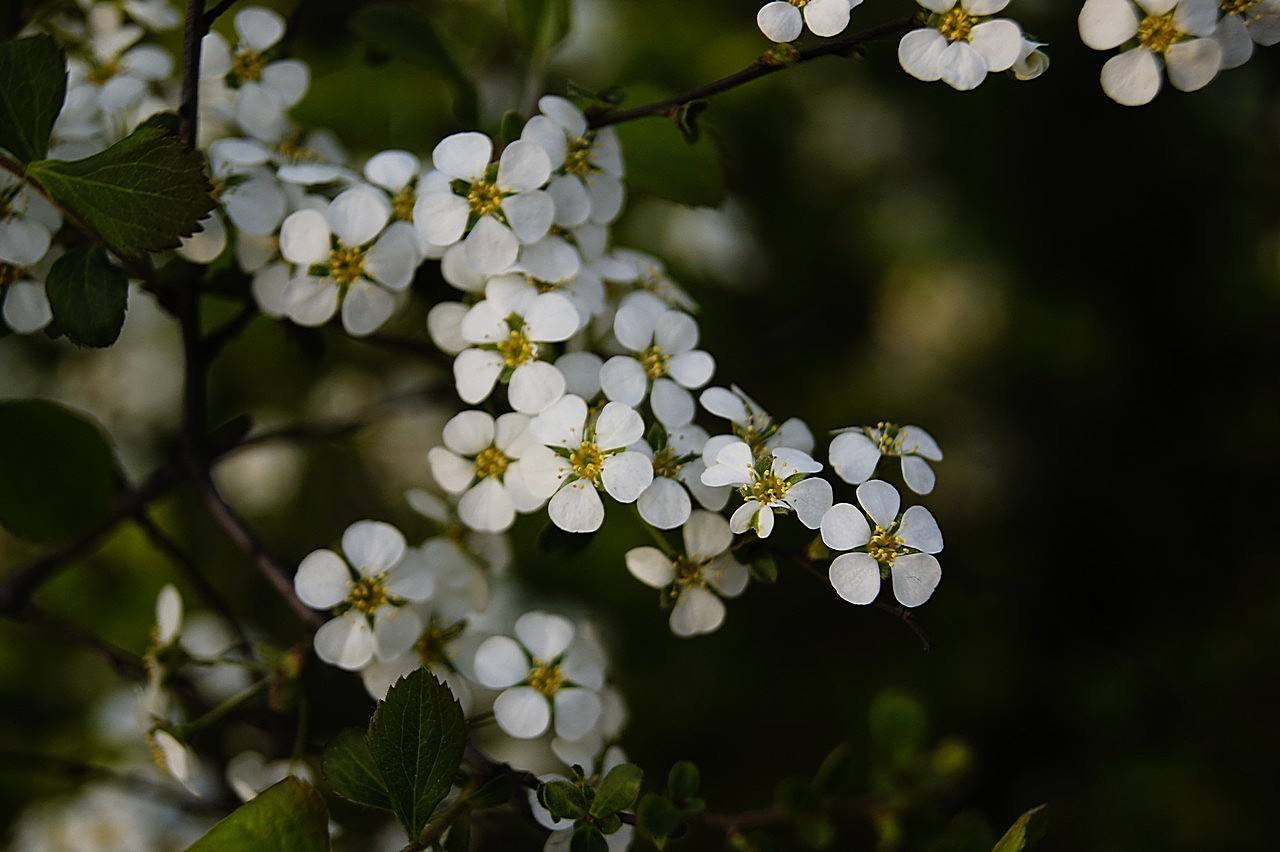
(784, 20)
(241, 82)
(961, 44)
(587, 185)
(855, 452)
(249, 773)
(480, 461)
(1243, 24)
(1176, 35)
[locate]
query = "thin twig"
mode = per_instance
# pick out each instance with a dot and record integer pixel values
(217, 12)
(192, 34)
(124, 662)
(767, 64)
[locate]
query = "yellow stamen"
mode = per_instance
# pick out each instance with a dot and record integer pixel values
(102, 73)
(369, 593)
(655, 362)
(1238, 7)
(546, 678)
(769, 488)
(587, 461)
(578, 160)
(247, 67)
(485, 198)
(885, 546)
(665, 463)
(10, 273)
(1157, 33)
(956, 25)
(517, 349)
(689, 573)
(346, 265)
(491, 462)
(402, 204)
(890, 440)
(430, 646)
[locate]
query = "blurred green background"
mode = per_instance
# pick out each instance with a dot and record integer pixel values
(1080, 301)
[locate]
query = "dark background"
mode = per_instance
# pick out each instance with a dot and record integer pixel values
(1077, 299)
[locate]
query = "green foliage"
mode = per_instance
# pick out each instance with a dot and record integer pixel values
(563, 799)
(671, 159)
(1028, 829)
(898, 727)
(416, 738)
(587, 838)
(539, 25)
(967, 832)
(402, 31)
(683, 781)
(288, 817)
(88, 296)
(512, 124)
(142, 194)
(33, 84)
(764, 568)
(57, 472)
(351, 772)
(618, 790)
(657, 816)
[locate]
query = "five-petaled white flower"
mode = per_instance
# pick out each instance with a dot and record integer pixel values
(784, 20)
(369, 590)
(480, 460)
(663, 364)
(114, 74)
(242, 83)
(901, 546)
(961, 45)
(508, 333)
(587, 452)
(497, 207)
(1172, 34)
(751, 424)
(855, 452)
(348, 254)
(544, 676)
(695, 581)
(773, 480)
(677, 466)
(1243, 24)
(587, 185)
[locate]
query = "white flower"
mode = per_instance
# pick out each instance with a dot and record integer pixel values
(1173, 34)
(545, 678)
(961, 45)
(480, 460)
(587, 185)
(168, 616)
(368, 590)
(172, 756)
(249, 773)
(587, 453)
(248, 190)
(645, 272)
(783, 20)
(1032, 61)
(348, 254)
(508, 333)
(27, 222)
(461, 559)
(26, 305)
(553, 265)
(855, 452)
(751, 424)
(677, 466)
(443, 647)
(664, 362)
(695, 581)
(1243, 24)
(899, 545)
(581, 372)
(240, 81)
(114, 75)
(496, 207)
(772, 481)
(155, 15)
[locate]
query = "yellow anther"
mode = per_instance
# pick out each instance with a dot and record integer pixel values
(346, 265)
(587, 461)
(491, 461)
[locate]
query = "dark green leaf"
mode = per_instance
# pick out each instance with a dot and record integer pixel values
(512, 125)
(539, 25)
(494, 792)
(33, 84)
(835, 767)
(898, 727)
(660, 162)
(405, 33)
(563, 800)
(1029, 828)
(88, 296)
(142, 194)
(618, 790)
(351, 772)
(657, 816)
(57, 472)
(587, 838)
(288, 817)
(683, 780)
(816, 832)
(416, 737)
(764, 569)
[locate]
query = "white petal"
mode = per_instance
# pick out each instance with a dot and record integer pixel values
(637, 319)
(469, 432)
(260, 113)
(920, 53)
(855, 577)
(811, 499)
(444, 324)
(780, 21)
(358, 215)
(853, 456)
(414, 579)
(692, 369)
(607, 194)
(147, 62)
(697, 611)
(827, 17)
(530, 214)
(255, 206)
(920, 530)
(346, 641)
(1133, 78)
(395, 629)
(963, 67)
(365, 308)
(787, 462)
(26, 307)
(1193, 64)
(549, 136)
(626, 476)
(728, 576)
(551, 318)
(999, 42)
(623, 379)
(304, 238)
(916, 440)
(573, 205)
(542, 471)
(545, 634)
(844, 527)
(440, 218)
(706, 535)
(215, 56)
(522, 712)
(1237, 45)
(576, 508)
(372, 547)
(577, 712)
(168, 615)
(982, 7)
(1196, 17)
(552, 259)
(452, 473)
(650, 566)
(491, 247)
(322, 581)
(915, 576)
(463, 155)
(918, 475)
(474, 373)
(523, 166)
(259, 28)
(581, 372)
(311, 301)
(564, 113)
(289, 79)
(880, 500)
(672, 405)
(535, 387)
(392, 170)
(665, 504)
(394, 257)
(724, 403)
(562, 424)
(500, 662)
(618, 426)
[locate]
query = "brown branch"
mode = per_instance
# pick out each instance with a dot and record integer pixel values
(217, 12)
(192, 34)
(125, 663)
(769, 63)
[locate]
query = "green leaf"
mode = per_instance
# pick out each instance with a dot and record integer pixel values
(563, 800)
(1029, 828)
(351, 772)
(539, 25)
(587, 838)
(512, 125)
(683, 780)
(657, 816)
(88, 295)
(618, 790)
(967, 832)
(898, 727)
(287, 817)
(401, 31)
(416, 737)
(142, 194)
(764, 569)
(661, 162)
(33, 84)
(57, 471)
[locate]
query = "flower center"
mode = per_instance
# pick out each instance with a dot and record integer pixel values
(587, 461)
(546, 678)
(517, 349)
(484, 197)
(769, 488)
(491, 461)
(346, 265)
(1238, 7)
(890, 441)
(10, 273)
(103, 72)
(296, 152)
(402, 204)
(799, 4)
(666, 463)
(430, 646)
(369, 593)
(885, 546)
(578, 160)
(956, 24)
(1158, 32)
(688, 573)
(654, 361)
(247, 67)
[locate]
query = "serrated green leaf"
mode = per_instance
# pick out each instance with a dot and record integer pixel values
(352, 773)
(657, 816)
(683, 780)
(563, 800)
(142, 194)
(618, 790)
(416, 737)
(1028, 829)
(288, 817)
(539, 25)
(57, 471)
(403, 32)
(88, 296)
(33, 85)
(898, 727)
(660, 162)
